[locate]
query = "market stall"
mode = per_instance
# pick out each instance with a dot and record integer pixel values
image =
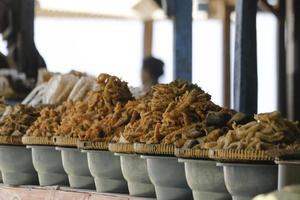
(81, 137)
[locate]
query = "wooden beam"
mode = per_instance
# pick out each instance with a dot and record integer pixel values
(148, 38)
(226, 54)
(182, 39)
(245, 62)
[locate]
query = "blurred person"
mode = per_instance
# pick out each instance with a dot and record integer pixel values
(3, 62)
(22, 52)
(152, 69)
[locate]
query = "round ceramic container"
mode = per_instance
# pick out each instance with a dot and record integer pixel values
(106, 170)
(134, 170)
(48, 163)
(205, 179)
(288, 173)
(76, 165)
(16, 166)
(168, 177)
(245, 181)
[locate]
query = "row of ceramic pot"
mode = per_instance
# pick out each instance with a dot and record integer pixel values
(144, 176)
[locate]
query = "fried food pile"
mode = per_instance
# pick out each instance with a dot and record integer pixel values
(204, 135)
(18, 120)
(85, 118)
(49, 120)
(163, 113)
(178, 113)
(182, 116)
(101, 110)
(268, 131)
(2, 105)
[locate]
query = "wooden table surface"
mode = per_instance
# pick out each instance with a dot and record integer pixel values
(57, 193)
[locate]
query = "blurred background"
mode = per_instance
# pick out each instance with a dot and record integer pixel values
(97, 36)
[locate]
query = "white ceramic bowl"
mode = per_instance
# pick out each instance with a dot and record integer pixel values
(168, 177)
(48, 163)
(106, 170)
(288, 173)
(16, 166)
(245, 181)
(205, 179)
(76, 165)
(134, 170)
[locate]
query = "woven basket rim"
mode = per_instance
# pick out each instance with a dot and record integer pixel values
(121, 148)
(192, 153)
(154, 149)
(28, 140)
(100, 146)
(65, 141)
(239, 155)
(11, 140)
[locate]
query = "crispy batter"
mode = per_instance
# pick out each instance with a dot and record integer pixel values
(269, 131)
(49, 120)
(167, 113)
(18, 120)
(86, 119)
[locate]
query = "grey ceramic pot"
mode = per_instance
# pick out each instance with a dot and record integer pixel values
(205, 179)
(76, 165)
(168, 177)
(245, 181)
(106, 170)
(47, 162)
(16, 166)
(134, 170)
(288, 173)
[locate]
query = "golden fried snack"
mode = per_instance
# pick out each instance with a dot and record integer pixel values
(85, 118)
(18, 120)
(94, 117)
(47, 123)
(168, 114)
(269, 131)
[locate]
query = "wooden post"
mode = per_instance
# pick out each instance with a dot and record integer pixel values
(182, 39)
(297, 60)
(245, 62)
(226, 54)
(27, 51)
(148, 37)
(281, 62)
(293, 58)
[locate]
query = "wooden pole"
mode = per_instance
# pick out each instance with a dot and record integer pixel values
(148, 37)
(293, 58)
(281, 62)
(297, 60)
(226, 54)
(245, 62)
(183, 39)
(27, 50)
